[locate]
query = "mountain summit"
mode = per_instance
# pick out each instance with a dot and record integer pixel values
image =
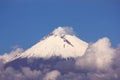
(59, 47)
(61, 42)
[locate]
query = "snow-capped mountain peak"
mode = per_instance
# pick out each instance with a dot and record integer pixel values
(62, 42)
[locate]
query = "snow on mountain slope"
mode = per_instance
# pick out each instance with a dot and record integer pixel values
(61, 42)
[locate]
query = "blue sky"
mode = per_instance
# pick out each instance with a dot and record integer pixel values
(25, 22)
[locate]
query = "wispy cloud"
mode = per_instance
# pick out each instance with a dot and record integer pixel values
(8, 56)
(63, 30)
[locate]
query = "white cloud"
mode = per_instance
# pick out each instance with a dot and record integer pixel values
(63, 31)
(52, 75)
(31, 74)
(9, 56)
(99, 55)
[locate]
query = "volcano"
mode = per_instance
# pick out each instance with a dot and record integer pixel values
(60, 47)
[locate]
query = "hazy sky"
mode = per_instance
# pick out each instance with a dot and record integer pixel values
(25, 22)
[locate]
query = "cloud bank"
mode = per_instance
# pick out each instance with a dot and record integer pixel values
(99, 55)
(100, 62)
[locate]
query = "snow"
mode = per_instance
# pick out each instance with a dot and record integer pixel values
(61, 43)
